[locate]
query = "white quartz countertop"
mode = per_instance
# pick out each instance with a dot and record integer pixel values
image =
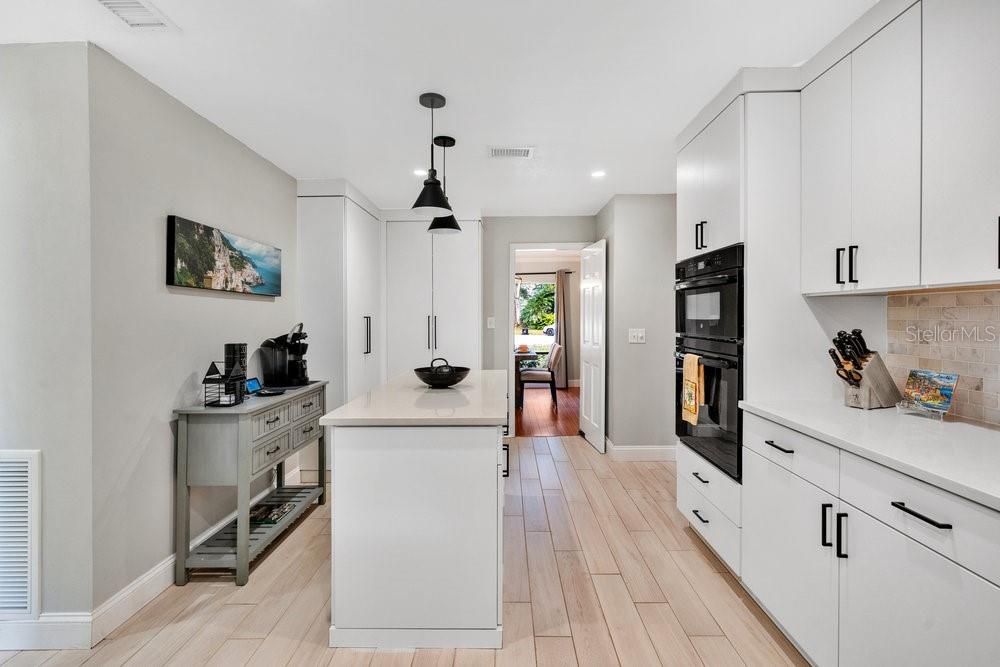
(959, 457)
(478, 400)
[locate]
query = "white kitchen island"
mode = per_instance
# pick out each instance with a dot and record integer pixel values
(418, 514)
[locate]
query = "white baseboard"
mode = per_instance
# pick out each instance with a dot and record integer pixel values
(640, 452)
(125, 603)
(47, 632)
(573, 383)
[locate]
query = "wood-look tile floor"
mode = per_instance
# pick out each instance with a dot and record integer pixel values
(599, 569)
(539, 416)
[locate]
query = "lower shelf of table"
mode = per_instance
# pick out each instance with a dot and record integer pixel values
(219, 550)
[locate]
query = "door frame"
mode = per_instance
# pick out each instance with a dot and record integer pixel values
(511, 270)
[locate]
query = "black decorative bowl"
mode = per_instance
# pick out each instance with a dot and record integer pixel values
(441, 376)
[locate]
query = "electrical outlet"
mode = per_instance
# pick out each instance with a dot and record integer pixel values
(633, 336)
(491, 323)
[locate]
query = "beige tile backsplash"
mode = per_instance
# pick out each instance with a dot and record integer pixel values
(951, 332)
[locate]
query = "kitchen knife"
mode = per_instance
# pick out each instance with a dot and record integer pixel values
(861, 339)
(852, 343)
(848, 352)
(836, 358)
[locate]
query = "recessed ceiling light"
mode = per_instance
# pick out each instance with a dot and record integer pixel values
(420, 172)
(598, 174)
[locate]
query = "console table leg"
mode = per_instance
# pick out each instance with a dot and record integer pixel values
(182, 514)
(279, 475)
(243, 505)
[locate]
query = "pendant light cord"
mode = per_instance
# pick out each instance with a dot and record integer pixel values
(444, 170)
(432, 138)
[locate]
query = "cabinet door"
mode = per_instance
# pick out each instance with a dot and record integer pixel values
(689, 183)
(455, 326)
(785, 562)
(961, 135)
(362, 262)
(903, 604)
(826, 179)
(408, 296)
(722, 186)
(885, 145)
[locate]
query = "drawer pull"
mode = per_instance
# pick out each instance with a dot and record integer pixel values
(273, 421)
(506, 455)
(307, 430)
(779, 447)
(840, 535)
(272, 451)
(900, 505)
(307, 405)
(824, 537)
(700, 478)
(700, 517)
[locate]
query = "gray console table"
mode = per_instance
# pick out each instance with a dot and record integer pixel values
(232, 447)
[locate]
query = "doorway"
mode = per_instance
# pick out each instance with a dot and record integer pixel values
(545, 310)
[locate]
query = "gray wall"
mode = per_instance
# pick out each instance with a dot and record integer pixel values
(498, 234)
(152, 156)
(641, 235)
(45, 395)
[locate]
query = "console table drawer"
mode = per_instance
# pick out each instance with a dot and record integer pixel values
(270, 421)
(270, 453)
(306, 405)
(305, 431)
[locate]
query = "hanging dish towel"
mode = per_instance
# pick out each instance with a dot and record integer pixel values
(694, 388)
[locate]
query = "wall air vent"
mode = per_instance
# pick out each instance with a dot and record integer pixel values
(19, 534)
(137, 13)
(522, 152)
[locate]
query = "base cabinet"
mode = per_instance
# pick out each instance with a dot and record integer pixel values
(903, 604)
(789, 560)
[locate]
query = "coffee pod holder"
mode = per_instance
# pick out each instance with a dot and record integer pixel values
(876, 390)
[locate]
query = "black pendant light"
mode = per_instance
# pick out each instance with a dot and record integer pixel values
(432, 200)
(444, 224)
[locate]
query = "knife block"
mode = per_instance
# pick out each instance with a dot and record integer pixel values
(877, 388)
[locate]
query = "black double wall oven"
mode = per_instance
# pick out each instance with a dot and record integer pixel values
(709, 291)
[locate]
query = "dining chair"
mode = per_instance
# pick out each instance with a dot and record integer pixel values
(546, 375)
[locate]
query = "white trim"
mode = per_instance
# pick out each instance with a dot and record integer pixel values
(393, 638)
(122, 605)
(573, 383)
(48, 631)
(640, 452)
(511, 270)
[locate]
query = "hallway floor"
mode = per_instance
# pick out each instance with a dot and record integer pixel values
(540, 417)
(599, 569)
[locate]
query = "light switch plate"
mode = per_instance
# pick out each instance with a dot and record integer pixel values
(641, 336)
(491, 323)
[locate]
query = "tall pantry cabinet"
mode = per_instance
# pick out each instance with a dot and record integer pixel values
(433, 296)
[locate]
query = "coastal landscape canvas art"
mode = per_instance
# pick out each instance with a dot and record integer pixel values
(206, 257)
(931, 390)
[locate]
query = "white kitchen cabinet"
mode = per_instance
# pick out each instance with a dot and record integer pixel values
(885, 157)
(362, 260)
(961, 142)
(788, 558)
(903, 604)
(433, 296)
(710, 185)
(861, 166)
(826, 179)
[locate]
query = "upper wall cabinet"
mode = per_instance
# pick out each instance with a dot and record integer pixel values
(961, 179)
(710, 185)
(861, 166)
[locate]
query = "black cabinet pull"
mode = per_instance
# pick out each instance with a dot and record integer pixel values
(824, 537)
(428, 332)
(703, 244)
(506, 455)
(841, 528)
(852, 254)
(308, 430)
(700, 517)
(900, 505)
(307, 405)
(272, 451)
(779, 447)
(699, 478)
(697, 231)
(368, 334)
(435, 332)
(273, 421)
(840, 265)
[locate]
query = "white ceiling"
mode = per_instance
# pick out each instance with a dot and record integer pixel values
(328, 89)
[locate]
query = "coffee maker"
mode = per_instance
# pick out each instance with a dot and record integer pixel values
(283, 359)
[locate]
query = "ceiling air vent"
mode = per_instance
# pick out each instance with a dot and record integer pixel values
(523, 152)
(137, 13)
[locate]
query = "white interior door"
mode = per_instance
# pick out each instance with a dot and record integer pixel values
(593, 357)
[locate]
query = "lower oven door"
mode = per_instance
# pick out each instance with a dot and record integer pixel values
(716, 436)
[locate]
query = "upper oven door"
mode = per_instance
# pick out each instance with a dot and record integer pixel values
(711, 306)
